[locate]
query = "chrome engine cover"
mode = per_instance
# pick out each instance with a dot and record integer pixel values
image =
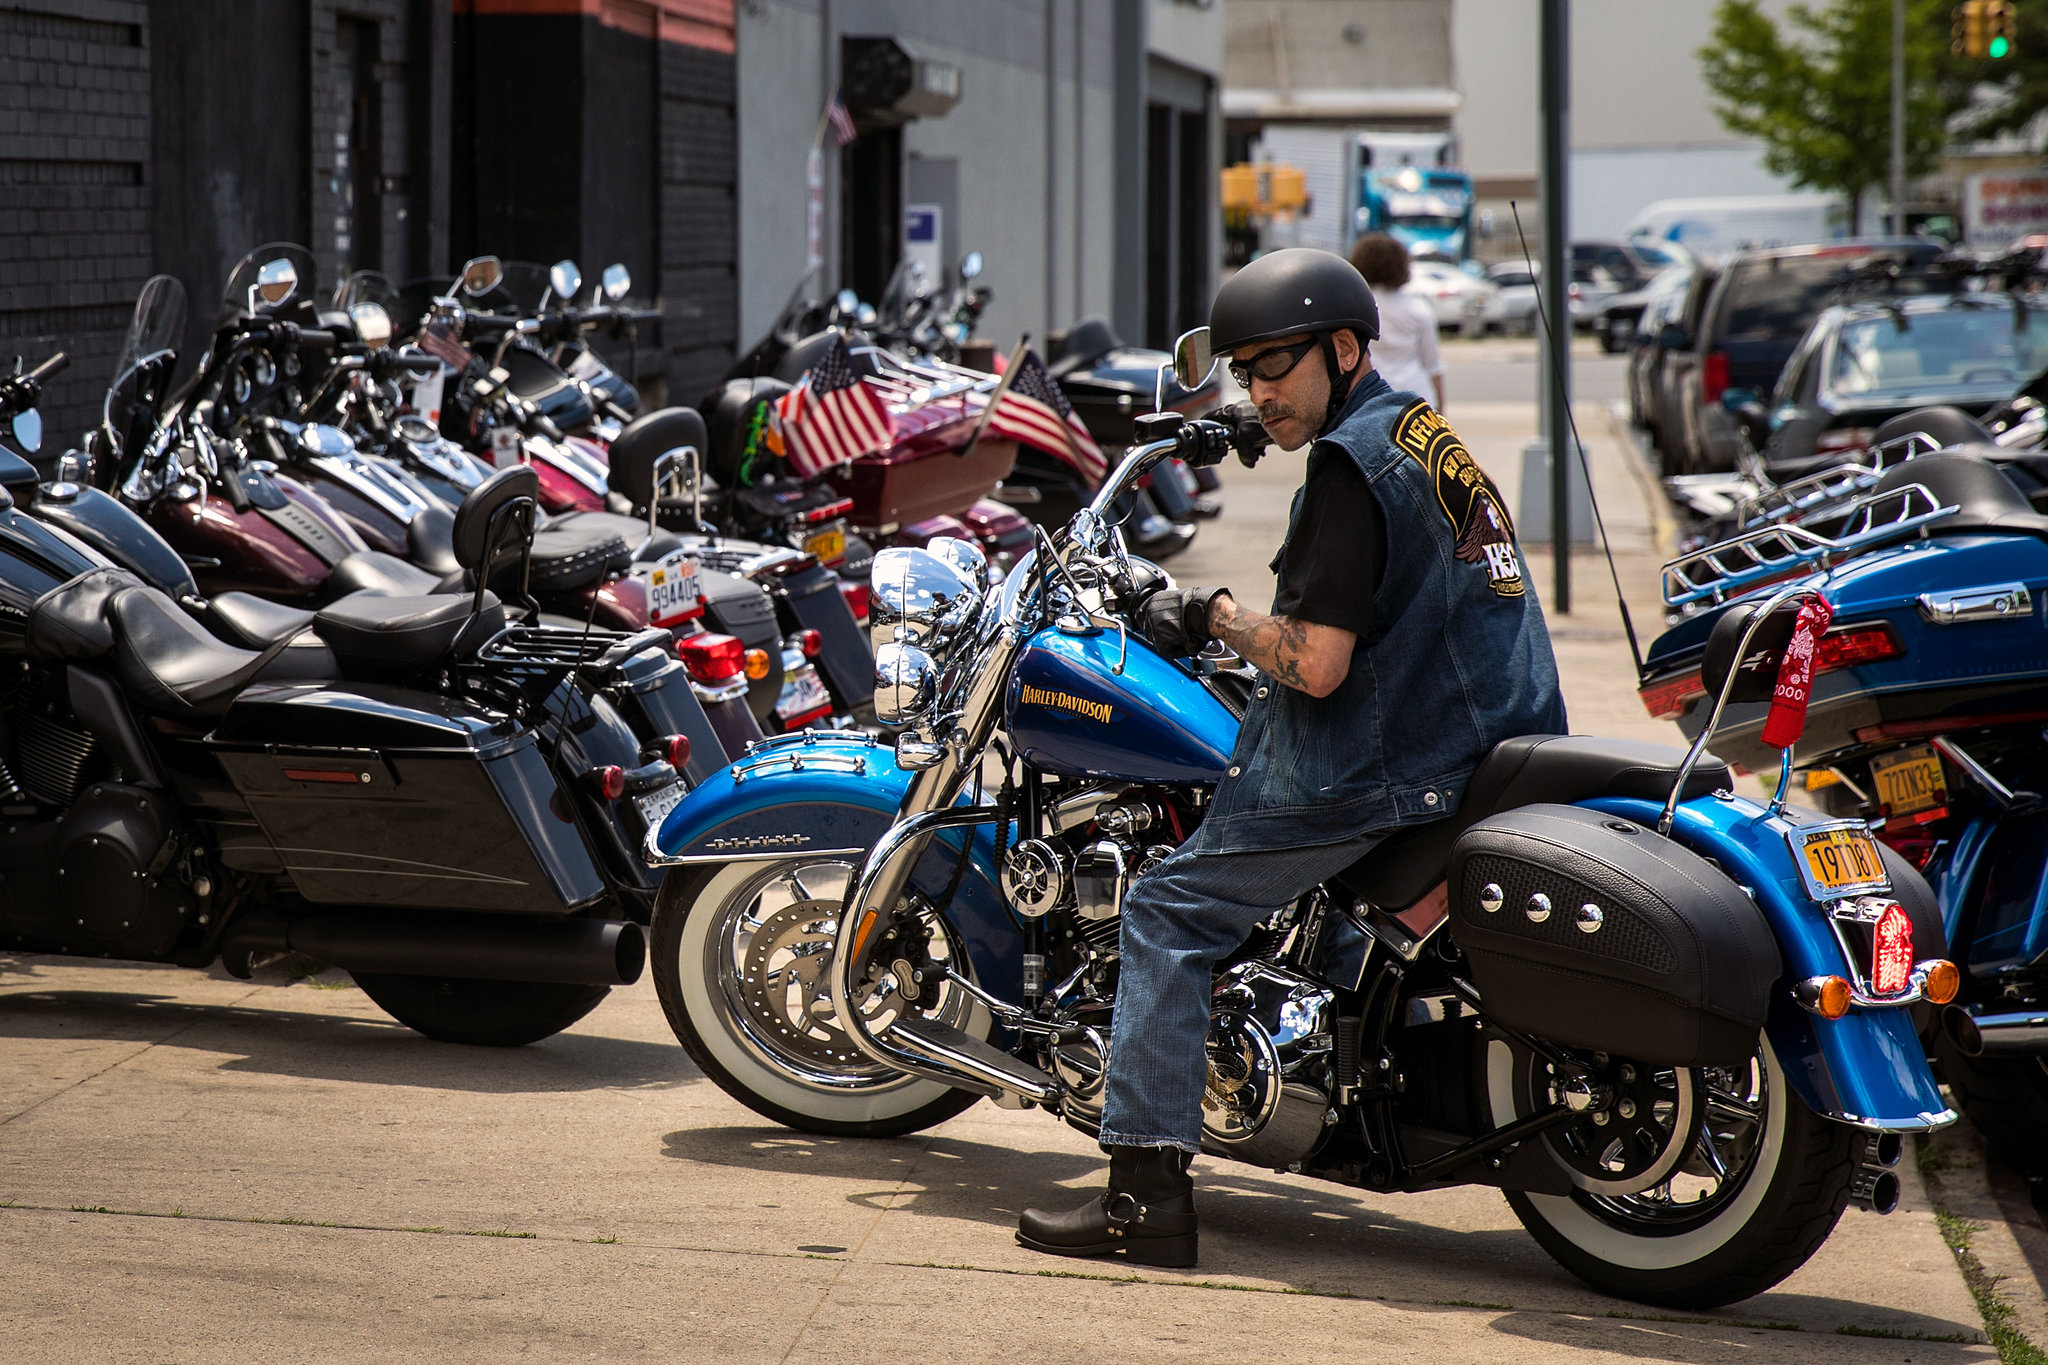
(1271, 1067)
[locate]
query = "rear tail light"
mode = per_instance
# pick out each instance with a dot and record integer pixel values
(829, 512)
(799, 722)
(677, 752)
(1850, 646)
(756, 661)
(1842, 440)
(1670, 699)
(1891, 965)
(712, 658)
(856, 595)
(608, 782)
(810, 642)
(1713, 376)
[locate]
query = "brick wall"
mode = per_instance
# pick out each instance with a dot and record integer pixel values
(74, 192)
(699, 252)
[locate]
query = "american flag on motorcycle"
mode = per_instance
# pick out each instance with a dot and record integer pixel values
(1032, 410)
(439, 339)
(831, 417)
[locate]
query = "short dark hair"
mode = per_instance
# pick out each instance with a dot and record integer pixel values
(1382, 260)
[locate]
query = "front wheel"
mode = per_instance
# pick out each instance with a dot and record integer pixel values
(1744, 1201)
(740, 960)
(486, 1013)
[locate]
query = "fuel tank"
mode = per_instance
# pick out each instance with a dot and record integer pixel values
(1069, 711)
(112, 528)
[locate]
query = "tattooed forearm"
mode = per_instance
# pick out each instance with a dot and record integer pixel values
(1299, 654)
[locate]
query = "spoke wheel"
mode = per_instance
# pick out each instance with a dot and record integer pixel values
(741, 960)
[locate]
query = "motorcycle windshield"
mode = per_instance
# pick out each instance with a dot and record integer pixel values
(158, 324)
(235, 298)
(364, 286)
(521, 289)
(909, 286)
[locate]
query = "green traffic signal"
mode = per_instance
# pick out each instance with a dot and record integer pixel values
(2000, 47)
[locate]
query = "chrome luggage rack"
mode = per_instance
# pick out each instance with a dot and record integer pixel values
(1817, 494)
(538, 650)
(1748, 560)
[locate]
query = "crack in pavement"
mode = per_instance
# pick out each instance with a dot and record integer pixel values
(123, 1061)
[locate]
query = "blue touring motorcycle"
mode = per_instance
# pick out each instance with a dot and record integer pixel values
(1669, 1023)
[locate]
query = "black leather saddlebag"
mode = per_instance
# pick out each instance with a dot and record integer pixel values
(1591, 931)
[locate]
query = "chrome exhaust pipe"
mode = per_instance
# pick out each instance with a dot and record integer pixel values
(1874, 1189)
(2020, 1033)
(1881, 1151)
(570, 952)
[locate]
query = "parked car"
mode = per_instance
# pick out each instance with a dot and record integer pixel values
(1632, 263)
(1513, 305)
(1592, 287)
(1863, 362)
(1762, 304)
(1458, 297)
(1661, 369)
(1618, 319)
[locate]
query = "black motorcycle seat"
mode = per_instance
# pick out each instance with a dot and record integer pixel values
(1521, 772)
(572, 554)
(632, 530)
(399, 633)
(1086, 342)
(1984, 498)
(253, 622)
(373, 571)
(430, 540)
(170, 665)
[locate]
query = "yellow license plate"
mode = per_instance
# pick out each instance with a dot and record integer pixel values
(1910, 781)
(828, 546)
(1839, 860)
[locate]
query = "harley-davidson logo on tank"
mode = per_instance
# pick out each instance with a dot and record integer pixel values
(1067, 701)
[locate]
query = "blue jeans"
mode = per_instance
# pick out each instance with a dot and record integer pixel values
(1184, 916)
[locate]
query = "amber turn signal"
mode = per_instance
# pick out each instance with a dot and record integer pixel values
(1943, 981)
(1827, 996)
(757, 664)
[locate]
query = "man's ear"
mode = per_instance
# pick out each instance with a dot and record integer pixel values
(1348, 350)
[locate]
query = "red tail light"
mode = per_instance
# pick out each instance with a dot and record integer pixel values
(1713, 376)
(1843, 440)
(1891, 970)
(811, 643)
(677, 752)
(608, 782)
(829, 511)
(856, 595)
(1668, 700)
(712, 658)
(1850, 646)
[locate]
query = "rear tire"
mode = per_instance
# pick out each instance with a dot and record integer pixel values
(1785, 1201)
(483, 1013)
(2006, 1097)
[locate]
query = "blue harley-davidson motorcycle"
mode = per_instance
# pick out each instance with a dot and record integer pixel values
(1668, 1022)
(1927, 716)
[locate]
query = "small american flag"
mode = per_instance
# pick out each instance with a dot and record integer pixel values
(836, 114)
(439, 339)
(1033, 411)
(831, 417)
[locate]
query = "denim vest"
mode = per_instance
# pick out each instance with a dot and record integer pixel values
(1457, 658)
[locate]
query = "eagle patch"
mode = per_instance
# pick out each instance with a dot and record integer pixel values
(1471, 504)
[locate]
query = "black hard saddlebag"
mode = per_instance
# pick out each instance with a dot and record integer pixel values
(1591, 931)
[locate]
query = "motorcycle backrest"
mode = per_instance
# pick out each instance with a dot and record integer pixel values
(644, 441)
(732, 426)
(495, 522)
(1965, 480)
(1756, 674)
(1947, 426)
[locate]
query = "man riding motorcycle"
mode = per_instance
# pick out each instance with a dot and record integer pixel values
(1403, 644)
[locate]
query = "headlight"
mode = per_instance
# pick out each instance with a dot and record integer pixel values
(906, 680)
(919, 590)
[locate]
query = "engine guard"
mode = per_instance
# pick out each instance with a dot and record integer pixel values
(833, 792)
(1868, 1068)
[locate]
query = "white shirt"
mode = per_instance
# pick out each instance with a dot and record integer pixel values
(1406, 352)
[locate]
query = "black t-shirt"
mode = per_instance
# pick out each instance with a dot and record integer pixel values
(1337, 553)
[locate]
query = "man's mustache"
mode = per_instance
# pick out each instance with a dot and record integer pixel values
(1270, 413)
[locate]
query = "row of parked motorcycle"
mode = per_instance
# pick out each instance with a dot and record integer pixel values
(389, 630)
(1927, 539)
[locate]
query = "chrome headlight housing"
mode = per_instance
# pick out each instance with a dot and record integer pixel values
(921, 597)
(906, 683)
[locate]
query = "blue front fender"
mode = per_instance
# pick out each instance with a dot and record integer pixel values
(831, 791)
(1868, 1067)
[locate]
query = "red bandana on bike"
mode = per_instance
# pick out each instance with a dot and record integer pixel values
(1787, 717)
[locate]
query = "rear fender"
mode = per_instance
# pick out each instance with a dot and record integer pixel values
(1868, 1067)
(827, 791)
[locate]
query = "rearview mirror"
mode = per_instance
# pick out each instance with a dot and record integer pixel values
(28, 431)
(275, 281)
(846, 301)
(373, 324)
(1193, 361)
(617, 281)
(565, 277)
(481, 275)
(970, 266)
(864, 316)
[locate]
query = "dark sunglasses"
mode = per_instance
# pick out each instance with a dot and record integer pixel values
(1271, 365)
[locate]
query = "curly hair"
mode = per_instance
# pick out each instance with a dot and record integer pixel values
(1382, 260)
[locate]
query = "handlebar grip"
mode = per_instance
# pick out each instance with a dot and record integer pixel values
(316, 339)
(44, 372)
(418, 364)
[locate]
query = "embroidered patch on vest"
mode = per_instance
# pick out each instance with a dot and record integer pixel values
(1470, 502)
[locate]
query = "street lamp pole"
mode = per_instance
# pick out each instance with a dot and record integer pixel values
(1899, 118)
(1557, 291)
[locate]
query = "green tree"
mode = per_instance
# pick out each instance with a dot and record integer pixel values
(1818, 93)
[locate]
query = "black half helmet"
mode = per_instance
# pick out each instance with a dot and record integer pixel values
(1296, 289)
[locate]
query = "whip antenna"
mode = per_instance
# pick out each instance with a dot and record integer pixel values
(1628, 626)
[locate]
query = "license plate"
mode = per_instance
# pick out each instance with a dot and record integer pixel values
(829, 545)
(655, 806)
(1910, 780)
(803, 693)
(1838, 860)
(673, 594)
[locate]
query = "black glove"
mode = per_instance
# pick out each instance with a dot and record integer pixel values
(1176, 620)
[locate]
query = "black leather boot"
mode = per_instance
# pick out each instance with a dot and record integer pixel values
(1147, 1214)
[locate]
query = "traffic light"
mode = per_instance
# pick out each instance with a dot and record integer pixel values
(2001, 24)
(1970, 28)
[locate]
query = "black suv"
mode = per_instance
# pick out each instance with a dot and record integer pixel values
(1762, 304)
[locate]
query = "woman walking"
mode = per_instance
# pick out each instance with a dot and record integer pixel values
(1406, 352)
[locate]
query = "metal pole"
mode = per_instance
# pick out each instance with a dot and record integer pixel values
(1556, 86)
(1898, 118)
